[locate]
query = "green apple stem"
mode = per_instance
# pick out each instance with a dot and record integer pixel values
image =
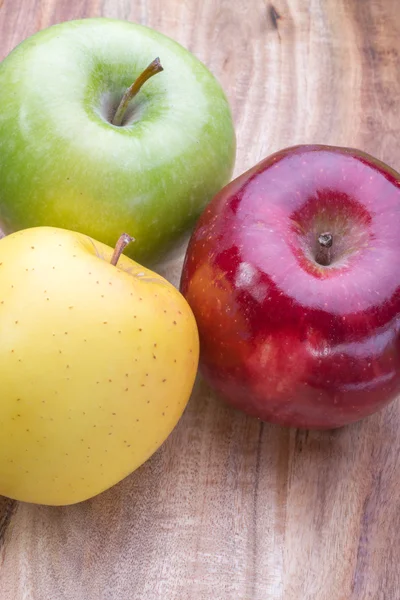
(122, 243)
(153, 68)
(324, 249)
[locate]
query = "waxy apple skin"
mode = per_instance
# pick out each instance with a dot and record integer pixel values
(63, 164)
(282, 337)
(97, 363)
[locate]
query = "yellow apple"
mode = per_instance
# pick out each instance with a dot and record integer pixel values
(97, 363)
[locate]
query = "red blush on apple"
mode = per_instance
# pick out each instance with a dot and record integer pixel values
(293, 276)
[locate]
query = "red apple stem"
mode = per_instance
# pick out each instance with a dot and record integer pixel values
(153, 68)
(122, 243)
(324, 249)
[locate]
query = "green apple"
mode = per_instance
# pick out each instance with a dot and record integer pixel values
(63, 160)
(98, 356)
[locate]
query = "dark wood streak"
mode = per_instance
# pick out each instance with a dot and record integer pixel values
(378, 36)
(256, 499)
(274, 16)
(7, 510)
(359, 571)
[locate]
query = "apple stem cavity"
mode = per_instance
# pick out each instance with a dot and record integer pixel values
(324, 249)
(153, 68)
(122, 243)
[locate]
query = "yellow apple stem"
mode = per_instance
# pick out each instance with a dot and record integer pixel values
(153, 68)
(324, 249)
(122, 243)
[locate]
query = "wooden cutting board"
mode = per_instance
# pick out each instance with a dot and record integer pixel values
(230, 508)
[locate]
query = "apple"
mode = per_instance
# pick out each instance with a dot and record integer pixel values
(292, 274)
(68, 160)
(98, 356)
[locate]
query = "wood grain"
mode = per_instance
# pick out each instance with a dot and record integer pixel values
(230, 508)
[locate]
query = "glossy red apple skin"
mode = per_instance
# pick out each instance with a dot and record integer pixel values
(282, 337)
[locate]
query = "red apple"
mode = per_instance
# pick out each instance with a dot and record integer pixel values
(293, 276)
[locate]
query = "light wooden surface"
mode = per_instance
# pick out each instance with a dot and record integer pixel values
(230, 508)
